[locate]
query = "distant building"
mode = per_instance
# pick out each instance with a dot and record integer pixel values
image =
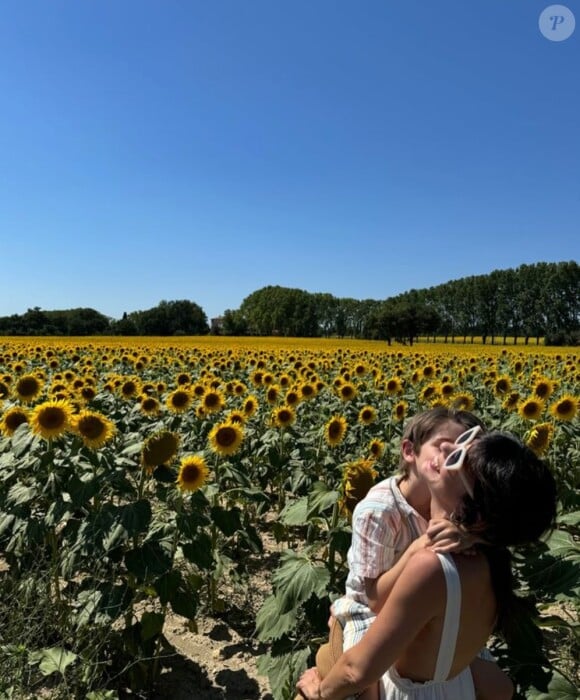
(217, 325)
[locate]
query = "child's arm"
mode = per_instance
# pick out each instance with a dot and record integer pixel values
(442, 536)
(490, 682)
(378, 589)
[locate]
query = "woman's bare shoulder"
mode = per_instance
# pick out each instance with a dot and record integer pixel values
(423, 568)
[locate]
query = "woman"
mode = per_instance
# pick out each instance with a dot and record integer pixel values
(443, 608)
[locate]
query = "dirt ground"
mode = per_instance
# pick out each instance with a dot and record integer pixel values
(214, 663)
(218, 660)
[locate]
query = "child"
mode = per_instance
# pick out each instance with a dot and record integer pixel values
(391, 523)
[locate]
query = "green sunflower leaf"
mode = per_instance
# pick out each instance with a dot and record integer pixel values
(53, 660)
(559, 688)
(297, 579)
(271, 623)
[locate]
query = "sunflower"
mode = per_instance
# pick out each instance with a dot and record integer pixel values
(193, 473)
(159, 448)
(429, 392)
(367, 415)
(376, 448)
(256, 377)
(393, 386)
(292, 397)
(335, 430)
(565, 408)
(347, 391)
(283, 416)
(543, 388)
(463, 401)
(511, 401)
(540, 437)
(212, 401)
(94, 429)
(13, 418)
(28, 387)
(87, 393)
(446, 389)
(250, 405)
(239, 389)
(51, 418)
(531, 408)
(357, 479)
(400, 410)
(179, 400)
(273, 394)
(129, 388)
(150, 405)
(182, 379)
(226, 438)
(307, 391)
(360, 369)
(502, 385)
(4, 390)
(236, 416)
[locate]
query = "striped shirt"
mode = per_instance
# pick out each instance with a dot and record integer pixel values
(383, 526)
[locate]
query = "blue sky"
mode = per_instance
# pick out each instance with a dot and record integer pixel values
(203, 149)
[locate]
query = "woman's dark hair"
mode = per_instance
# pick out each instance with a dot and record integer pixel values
(514, 496)
(514, 503)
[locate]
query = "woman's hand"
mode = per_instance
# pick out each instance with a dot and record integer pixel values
(309, 684)
(449, 537)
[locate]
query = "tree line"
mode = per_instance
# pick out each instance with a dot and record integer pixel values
(530, 302)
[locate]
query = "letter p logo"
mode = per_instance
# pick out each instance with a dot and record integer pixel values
(557, 22)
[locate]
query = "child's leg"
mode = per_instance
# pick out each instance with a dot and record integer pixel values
(490, 682)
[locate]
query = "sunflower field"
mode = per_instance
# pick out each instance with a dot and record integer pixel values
(143, 477)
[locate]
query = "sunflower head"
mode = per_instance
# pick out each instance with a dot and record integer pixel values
(284, 416)
(393, 386)
(367, 415)
(226, 438)
(212, 401)
(357, 478)
(28, 387)
(543, 388)
(51, 418)
(193, 472)
(531, 409)
(376, 448)
(13, 419)
(335, 430)
(179, 400)
(539, 437)
(566, 408)
(250, 405)
(400, 410)
(94, 429)
(347, 391)
(150, 405)
(159, 449)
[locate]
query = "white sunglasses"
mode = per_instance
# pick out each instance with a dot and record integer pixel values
(455, 459)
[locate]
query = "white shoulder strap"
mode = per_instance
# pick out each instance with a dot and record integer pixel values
(451, 621)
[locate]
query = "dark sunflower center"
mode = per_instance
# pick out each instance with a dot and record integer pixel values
(226, 436)
(334, 429)
(52, 417)
(91, 427)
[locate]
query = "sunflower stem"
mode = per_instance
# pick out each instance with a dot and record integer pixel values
(331, 545)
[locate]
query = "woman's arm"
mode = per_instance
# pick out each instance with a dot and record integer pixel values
(417, 596)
